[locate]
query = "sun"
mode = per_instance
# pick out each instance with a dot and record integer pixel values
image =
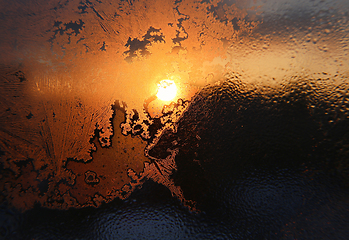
(167, 90)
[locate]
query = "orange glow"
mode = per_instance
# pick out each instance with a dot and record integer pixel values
(103, 70)
(184, 92)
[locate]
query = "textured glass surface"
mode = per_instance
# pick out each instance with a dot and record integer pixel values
(254, 145)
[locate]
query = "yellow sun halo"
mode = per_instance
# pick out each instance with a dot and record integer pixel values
(167, 90)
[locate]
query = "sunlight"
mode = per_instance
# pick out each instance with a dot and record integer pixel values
(167, 90)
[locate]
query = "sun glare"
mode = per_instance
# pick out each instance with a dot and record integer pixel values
(167, 90)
